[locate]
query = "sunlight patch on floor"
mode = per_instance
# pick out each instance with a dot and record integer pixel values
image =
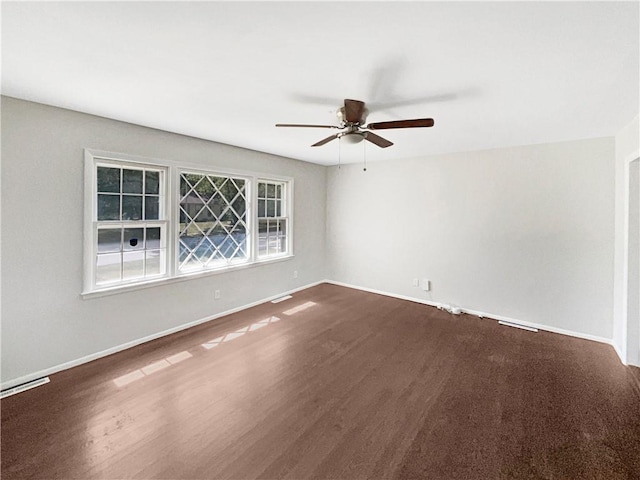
(238, 333)
(151, 368)
(299, 308)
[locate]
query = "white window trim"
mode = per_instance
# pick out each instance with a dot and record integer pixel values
(288, 202)
(171, 199)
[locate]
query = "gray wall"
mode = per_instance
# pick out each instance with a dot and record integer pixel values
(45, 322)
(525, 233)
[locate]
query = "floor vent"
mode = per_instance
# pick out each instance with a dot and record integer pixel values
(515, 325)
(24, 387)
(281, 299)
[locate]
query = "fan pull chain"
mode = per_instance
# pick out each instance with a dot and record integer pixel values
(364, 150)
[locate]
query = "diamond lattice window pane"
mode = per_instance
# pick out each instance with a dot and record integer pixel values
(217, 235)
(204, 251)
(203, 217)
(239, 205)
(205, 189)
(211, 209)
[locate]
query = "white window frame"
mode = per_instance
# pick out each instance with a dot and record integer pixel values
(171, 199)
(284, 214)
(249, 187)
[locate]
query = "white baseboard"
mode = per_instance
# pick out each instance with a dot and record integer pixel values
(492, 316)
(623, 357)
(109, 351)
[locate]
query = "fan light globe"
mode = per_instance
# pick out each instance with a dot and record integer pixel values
(353, 137)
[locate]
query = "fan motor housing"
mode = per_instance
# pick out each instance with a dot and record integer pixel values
(341, 116)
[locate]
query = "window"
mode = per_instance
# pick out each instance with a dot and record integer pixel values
(148, 221)
(272, 219)
(213, 221)
(130, 225)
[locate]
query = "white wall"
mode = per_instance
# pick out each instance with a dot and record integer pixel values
(525, 233)
(627, 150)
(45, 322)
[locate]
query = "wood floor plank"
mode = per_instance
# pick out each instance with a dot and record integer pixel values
(334, 383)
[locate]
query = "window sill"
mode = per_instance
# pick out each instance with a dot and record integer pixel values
(113, 290)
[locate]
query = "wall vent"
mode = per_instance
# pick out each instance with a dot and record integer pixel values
(24, 387)
(281, 299)
(517, 325)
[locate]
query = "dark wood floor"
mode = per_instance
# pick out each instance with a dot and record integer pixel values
(335, 383)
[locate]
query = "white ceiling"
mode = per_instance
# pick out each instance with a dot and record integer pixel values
(490, 74)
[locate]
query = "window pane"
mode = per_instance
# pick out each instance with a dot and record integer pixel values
(271, 190)
(228, 247)
(131, 181)
(132, 265)
(152, 182)
(108, 268)
(271, 208)
(184, 251)
(153, 238)
(239, 235)
(272, 243)
(109, 240)
(213, 220)
(262, 237)
(133, 239)
(151, 208)
(131, 207)
(278, 191)
(154, 262)
(282, 235)
(108, 207)
(278, 208)
(229, 190)
(187, 181)
(108, 179)
(239, 205)
(262, 208)
(261, 190)
(205, 189)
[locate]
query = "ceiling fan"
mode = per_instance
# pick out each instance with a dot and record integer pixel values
(352, 117)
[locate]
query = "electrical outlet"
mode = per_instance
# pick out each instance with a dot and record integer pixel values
(425, 285)
(416, 282)
(216, 294)
(295, 274)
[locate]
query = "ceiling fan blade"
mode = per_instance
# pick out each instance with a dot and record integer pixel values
(420, 122)
(377, 139)
(353, 110)
(326, 140)
(303, 125)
